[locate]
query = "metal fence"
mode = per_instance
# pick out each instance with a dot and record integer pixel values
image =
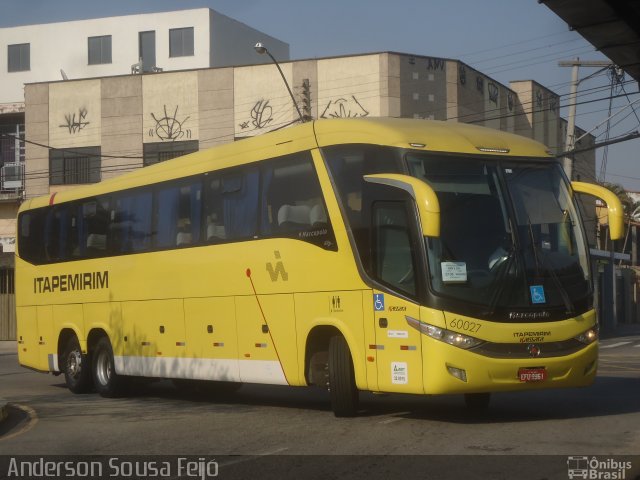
(7, 304)
(7, 317)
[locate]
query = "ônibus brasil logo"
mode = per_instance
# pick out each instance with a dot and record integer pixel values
(594, 468)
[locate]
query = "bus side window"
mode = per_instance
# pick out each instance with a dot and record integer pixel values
(292, 202)
(52, 233)
(393, 260)
(95, 226)
(215, 231)
(178, 207)
(231, 206)
(130, 228)
(31, 234)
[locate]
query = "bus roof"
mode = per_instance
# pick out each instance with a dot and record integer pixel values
(434, 135)
(426, 135)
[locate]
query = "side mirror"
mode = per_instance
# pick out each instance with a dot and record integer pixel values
(614, 207)
(424, 196)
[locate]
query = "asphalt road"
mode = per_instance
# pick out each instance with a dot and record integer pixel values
(275, 423)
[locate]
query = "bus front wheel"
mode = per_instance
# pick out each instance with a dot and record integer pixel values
(77, 367)
(342, 381)
(107, 382)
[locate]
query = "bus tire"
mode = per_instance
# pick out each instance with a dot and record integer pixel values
(107, 382)
(477, 402)
(342, 381)
(76, 367)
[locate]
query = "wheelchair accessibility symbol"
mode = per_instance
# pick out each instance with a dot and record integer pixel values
(537, 294)
(378, 302)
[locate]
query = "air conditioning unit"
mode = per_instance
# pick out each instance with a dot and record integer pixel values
(12, 176)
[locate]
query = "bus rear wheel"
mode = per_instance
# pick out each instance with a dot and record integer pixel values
(107, 382)
(76, 367)
(342, 382)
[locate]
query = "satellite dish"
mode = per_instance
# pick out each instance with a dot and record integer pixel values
(64, 75)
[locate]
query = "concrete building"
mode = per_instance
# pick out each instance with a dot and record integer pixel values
(88, 115)
(101, 47)
(94, 129)
(177, 40)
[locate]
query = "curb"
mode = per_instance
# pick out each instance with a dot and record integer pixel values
(3, 409)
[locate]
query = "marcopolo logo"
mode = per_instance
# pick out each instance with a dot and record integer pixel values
(594, 468)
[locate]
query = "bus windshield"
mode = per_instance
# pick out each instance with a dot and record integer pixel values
(510, 233)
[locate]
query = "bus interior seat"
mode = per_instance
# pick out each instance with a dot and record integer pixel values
(318, 216)
(183, 238)
(215, 232)
(96, 241)
(293, 216)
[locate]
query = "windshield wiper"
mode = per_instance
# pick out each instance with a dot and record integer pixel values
(501, 286)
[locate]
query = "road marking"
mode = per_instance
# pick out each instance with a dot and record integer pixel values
(613, 345)
(33, 419)
(636, 346)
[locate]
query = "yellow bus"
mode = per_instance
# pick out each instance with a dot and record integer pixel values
(384, 255)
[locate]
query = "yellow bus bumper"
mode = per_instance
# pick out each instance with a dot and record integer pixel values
(486, 374)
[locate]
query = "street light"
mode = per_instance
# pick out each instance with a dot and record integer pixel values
(261, 50)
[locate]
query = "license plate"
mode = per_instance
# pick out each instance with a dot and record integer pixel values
(532, 374)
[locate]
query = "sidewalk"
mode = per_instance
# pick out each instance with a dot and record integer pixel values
(8, 346)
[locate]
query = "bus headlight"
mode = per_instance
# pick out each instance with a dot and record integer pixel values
(447, 336)
(589, 336)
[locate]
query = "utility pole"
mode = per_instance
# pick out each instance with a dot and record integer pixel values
(567, 162)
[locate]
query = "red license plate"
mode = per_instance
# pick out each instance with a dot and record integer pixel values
(532, 374)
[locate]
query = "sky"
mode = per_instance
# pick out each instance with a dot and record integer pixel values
(504, 39)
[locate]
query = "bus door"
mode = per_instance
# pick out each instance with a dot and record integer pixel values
(395, 263)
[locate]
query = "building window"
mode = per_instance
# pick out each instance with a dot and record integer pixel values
(99, 50)
(74, 165)
(19, 58)
(161, 151)
(181, 42)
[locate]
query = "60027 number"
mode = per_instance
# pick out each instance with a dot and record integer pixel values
(466, 325)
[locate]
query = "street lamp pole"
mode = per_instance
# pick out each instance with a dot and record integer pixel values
(261, 49)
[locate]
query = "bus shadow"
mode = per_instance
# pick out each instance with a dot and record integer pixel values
(607, 397)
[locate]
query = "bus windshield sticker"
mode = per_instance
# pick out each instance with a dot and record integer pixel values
(454, 272)
(537, 294)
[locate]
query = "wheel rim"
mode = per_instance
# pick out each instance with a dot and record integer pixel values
(74, 364)
(103, 368)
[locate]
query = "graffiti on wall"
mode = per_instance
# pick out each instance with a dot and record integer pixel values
(480, 83)
(344, 108)
(539, 99)
(510, 101)
(75, 122)
(463, 75)
(169, 127)
(261, 116)
(493, 92)
(435, 64)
